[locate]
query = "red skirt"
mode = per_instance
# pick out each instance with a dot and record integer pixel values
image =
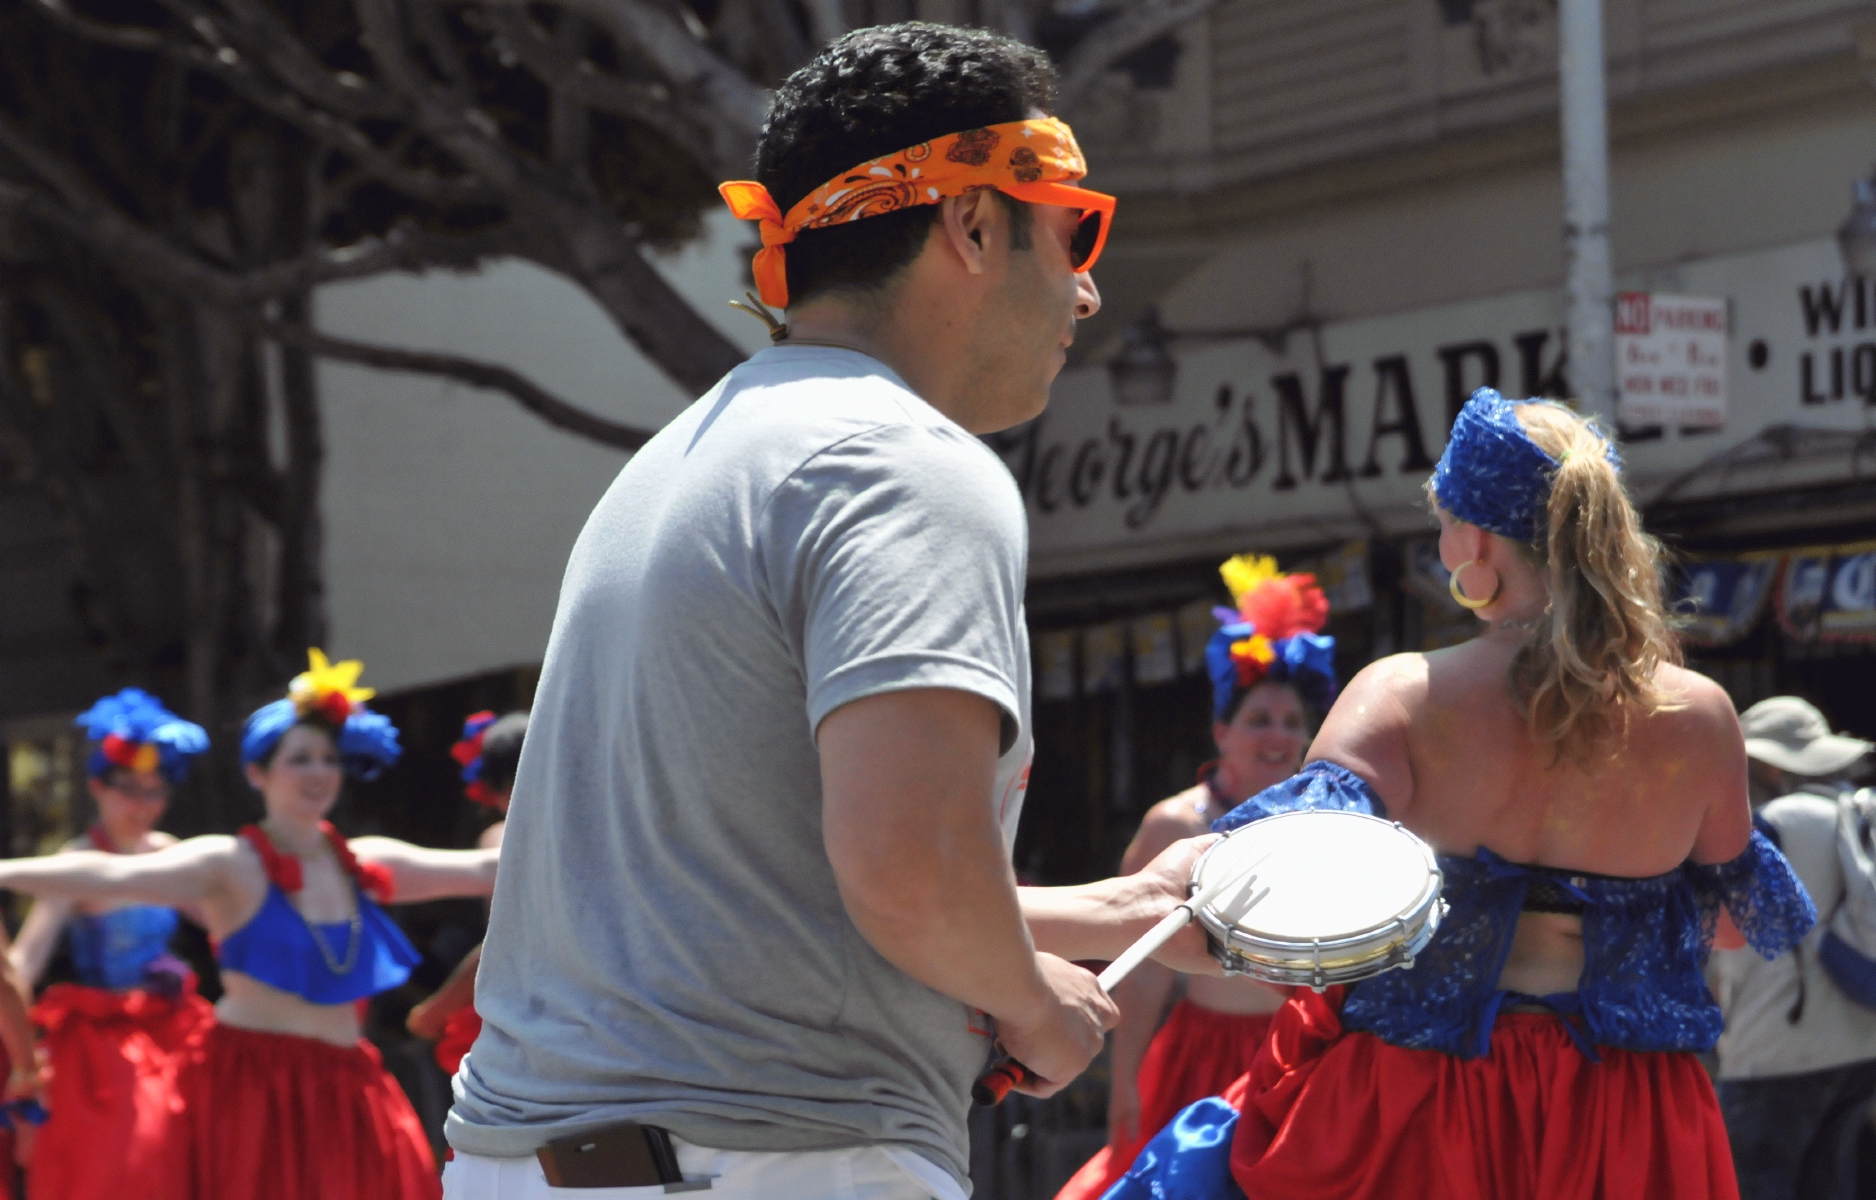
(1197, 1053)
(1328, 1113)
(277, 1117)
(458, 1035)
(116, 1125)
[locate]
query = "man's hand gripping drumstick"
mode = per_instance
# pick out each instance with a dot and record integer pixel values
(909, 822)
(1007, 1073)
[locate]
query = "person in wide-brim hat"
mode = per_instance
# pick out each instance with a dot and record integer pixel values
(1792, 735)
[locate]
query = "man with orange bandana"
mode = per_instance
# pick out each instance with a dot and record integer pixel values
(756, 919)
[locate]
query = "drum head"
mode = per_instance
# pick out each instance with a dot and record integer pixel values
(1328, 874)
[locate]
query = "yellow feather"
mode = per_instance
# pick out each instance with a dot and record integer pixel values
(1243, 572)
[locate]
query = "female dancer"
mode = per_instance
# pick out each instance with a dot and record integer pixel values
(113, 1039)
(1266, 662)
(284, 1100)
(489, 752)
(1587, 797)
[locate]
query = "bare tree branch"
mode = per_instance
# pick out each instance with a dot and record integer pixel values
(575, 80)
(228, 65)
(489, 376)
(786, 42)
(733, 106)
(287, 57)
(598, 250)
(161, 264)
(826, 22)
(1127, 31)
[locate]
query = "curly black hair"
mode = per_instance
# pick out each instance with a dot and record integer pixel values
(873, 92)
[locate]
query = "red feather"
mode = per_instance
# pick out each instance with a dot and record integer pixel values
(335, 707)
(1286, 606)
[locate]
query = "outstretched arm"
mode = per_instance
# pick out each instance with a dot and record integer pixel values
(420, 873)
(427, 1019)
(183, 874)
(1097, 921)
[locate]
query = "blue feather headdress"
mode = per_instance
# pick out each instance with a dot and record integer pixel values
(132, 729)
(324, 695)
(1270, 636)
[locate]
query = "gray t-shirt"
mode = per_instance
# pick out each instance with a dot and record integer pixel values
(1760, 1039)
(667, 943)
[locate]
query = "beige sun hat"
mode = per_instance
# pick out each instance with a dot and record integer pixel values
(1790, 734)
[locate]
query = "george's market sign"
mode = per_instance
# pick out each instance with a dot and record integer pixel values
(1333, 431)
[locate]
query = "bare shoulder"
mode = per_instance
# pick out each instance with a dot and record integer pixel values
(1378, 701)
(1699, 707)
(240, 858)
(1401, 676)
(1367, 730)
(1173, 819)
(1178, 816)
(163, 840)
(491, 838)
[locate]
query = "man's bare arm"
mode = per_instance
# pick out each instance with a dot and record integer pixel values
(911, 834)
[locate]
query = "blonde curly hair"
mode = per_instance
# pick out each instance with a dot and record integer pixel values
(1589, 666)
(1591, 659)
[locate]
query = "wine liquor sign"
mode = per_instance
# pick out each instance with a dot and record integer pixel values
(1331, 432)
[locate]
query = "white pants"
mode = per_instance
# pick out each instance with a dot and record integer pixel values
(857, 1173)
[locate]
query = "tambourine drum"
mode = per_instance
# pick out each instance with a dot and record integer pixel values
(1336, 897)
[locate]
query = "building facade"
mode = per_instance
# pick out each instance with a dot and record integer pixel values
(1338, 218)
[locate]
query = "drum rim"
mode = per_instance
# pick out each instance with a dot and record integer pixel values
(1410, 921)
(1312, 975)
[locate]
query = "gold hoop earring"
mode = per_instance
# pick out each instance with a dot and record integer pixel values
(1465, 601)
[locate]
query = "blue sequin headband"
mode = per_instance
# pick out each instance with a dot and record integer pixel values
(1493, 475)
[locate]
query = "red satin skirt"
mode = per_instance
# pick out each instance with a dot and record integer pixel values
(1328, 1113)
(1197, 1053)
(277, 1117)
(458, 1035)
(8, 1144)
(116, 1126)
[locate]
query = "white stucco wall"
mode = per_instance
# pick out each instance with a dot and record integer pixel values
(449, 510)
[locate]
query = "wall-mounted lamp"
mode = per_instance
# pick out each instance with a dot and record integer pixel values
(1143, 372)
(1856, 237)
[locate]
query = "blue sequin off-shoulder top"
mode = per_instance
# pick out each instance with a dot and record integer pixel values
(1645, 941)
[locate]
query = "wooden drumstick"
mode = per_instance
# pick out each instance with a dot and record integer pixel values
(1006, 1073)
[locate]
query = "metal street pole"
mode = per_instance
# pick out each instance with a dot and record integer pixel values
(1590, 285)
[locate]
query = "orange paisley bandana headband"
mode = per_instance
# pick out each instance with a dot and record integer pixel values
(1034, 161)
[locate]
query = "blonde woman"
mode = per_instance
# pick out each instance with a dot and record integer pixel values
(1587, 797)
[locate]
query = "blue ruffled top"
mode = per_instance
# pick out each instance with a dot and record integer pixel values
(1645, 941)
(277, 948)
(116, 949)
